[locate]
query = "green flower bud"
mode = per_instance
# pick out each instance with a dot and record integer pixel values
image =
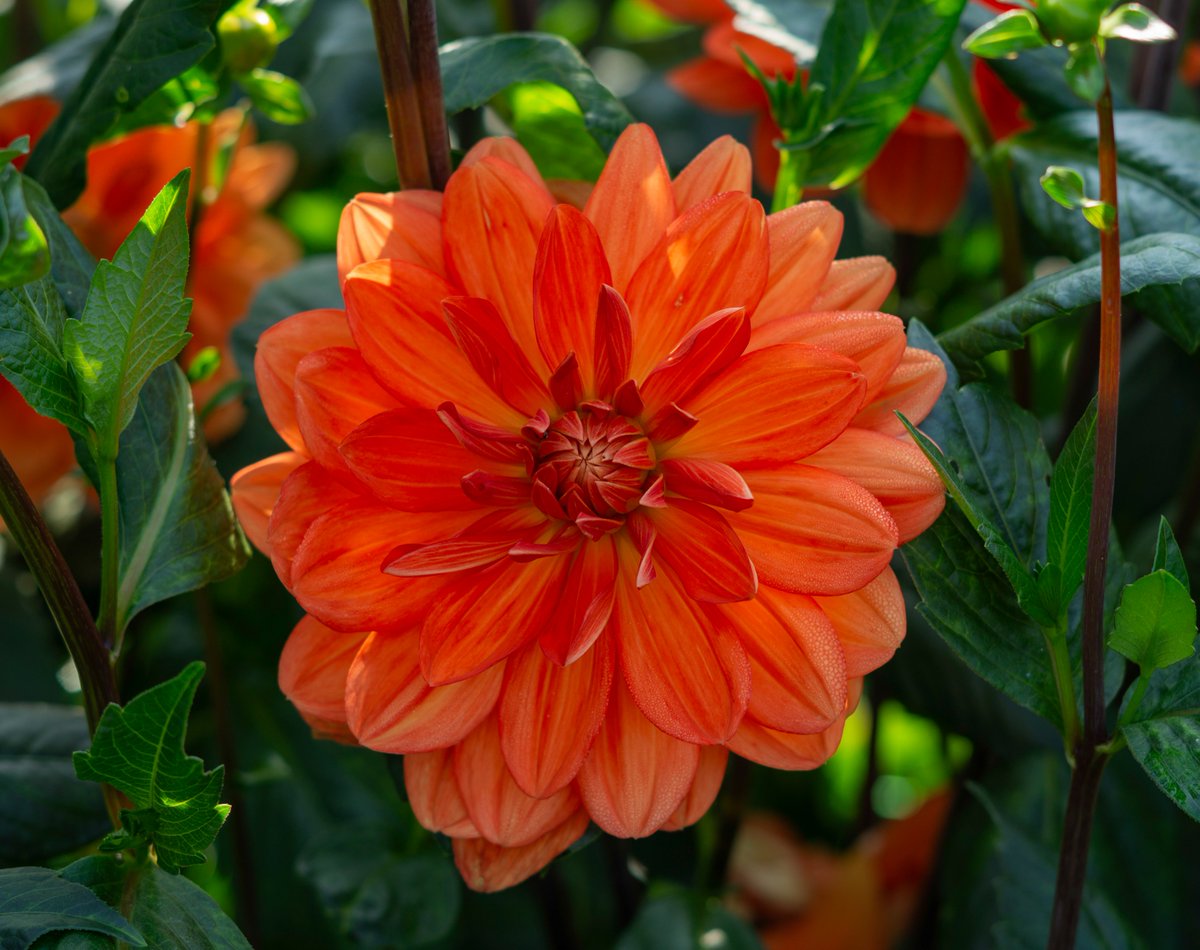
(1070, 21)
(248, 38)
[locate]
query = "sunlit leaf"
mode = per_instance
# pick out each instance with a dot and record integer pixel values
(1155, 623)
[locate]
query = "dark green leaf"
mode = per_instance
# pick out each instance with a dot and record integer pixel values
(1152, 261)
(875, 58)
(139, 750)
(35, 901)
(45, 810)
(1155, 622)
(1006, 35)
(1167, 556)
(136, 314)
(1133, 22)
(476, 70)
(71, 265)
(154, 41)
(793, 25)
(1071, 506)
(171, 912)
(280, 98)
(24, 255)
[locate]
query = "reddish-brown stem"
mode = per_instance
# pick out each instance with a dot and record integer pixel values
(400, 93)
(1089, 760)
(422, 22)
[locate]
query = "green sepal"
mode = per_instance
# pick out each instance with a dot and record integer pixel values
(1133, 22)
(1005, 36)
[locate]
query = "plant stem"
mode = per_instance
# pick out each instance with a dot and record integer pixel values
(789, 183)
(735, 794)
(110, 552)
(61, 593)
(1060, 665)
(1089, 758)
(400, 92)
(422, 21)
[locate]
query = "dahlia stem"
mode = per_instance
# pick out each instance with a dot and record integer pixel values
(789, 182)
(735, 793)
(427, 75)
(110, 551)
(1092, 750)
(400, 92)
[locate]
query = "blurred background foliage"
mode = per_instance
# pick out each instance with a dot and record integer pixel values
(321, 849)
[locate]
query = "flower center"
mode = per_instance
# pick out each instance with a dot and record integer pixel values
(592, 464)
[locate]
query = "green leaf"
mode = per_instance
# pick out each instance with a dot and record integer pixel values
(1155, 623)
(1133, 22)
(136, 314)
(476, 70)
(36, 901)
(193, 94)
(1167, 556)
(154, 41)
(171, 912)
(875, 58)
(1006, 35)
(792, 25)
(1152, 261)
(547, 121)
(280, 98)
(1071, 506)
(1165, 736)
(45, 810)
(139, 751)
(1085, 72)
(24, 254)
(1064, 185)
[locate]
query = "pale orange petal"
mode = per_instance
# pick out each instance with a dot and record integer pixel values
(488, 867)
(506, 149)
(401, 225)
(312, 673)
(433, 794)
(856, 283)
(723, 165)
(305, 495)
(803, 240)
(870, 622)
(913, 389)
(254, 491)
(709, 774)
(785, 750)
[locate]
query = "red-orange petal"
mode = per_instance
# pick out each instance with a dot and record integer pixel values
(549, 715)
(312, 674)
(913, 389)
(506, 149)
(254, 491)
(698, 544)
(702, 355)
(723, 165)
(636, 776)
(632, 204)
(875, 341)
(797, 670)
(400, 225)
(280, 350)
(570, 271)
(785, 750)
(433, 794)
(484, 340)
(717, 86)
(803, 240)
(709, 774)
(390, 708)
(810, 531)
(305, 495)
(688, 676)
(678, 284)
(713, 483)
(493, 218)
(586, 603)
(870, 622)
(488, 867)
(893, 470)
(503, 813)
(856, 283)
(485, 616)
(395, 313)
(774, 405)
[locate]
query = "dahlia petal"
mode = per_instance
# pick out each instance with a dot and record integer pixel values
(913, 389)
(785, 750)
(493, 217)
(810, 531)
(335, 392)
(586, 603)
(433, 794)
(280, 349)
(496, 491)
(713, 483)
(669, 424)
(614, 341)
(484, 617)
(304, 496)
(710, 772)
(689, 677)
(797, 671)
(503, 813)
(870, 622)
(875, 341)
(490, 349)
(506, 149)
(395, 313)
(312, 673)
(570, 271)
(856, 283)
(893, 470)
(677, 285)
(390, 708)
(716, 86)
(486, 541)
(803, 241)
(705, 553)
(484, 440)
(549, 715)
(488, 867)
(254, 491)
(401, 225)
(725, 43)
(723, 165)
(702, 355)
(336, 573)
(636, 776)
(631, 205)
(410, 460)
(774, 405)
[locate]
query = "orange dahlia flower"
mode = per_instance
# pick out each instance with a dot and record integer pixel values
(579, 501)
